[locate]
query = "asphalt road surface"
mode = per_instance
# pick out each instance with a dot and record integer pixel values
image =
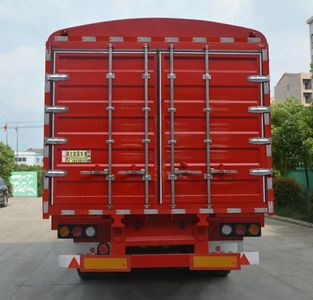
(28, 266)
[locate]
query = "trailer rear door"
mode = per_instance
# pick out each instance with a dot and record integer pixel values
(156, 127)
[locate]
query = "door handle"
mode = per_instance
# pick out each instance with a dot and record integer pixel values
(223, 172)
(131, 172)
(187, 172)
(93, 172)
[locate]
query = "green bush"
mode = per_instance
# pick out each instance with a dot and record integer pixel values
(310, 208)
(288, 193)
(40, 175)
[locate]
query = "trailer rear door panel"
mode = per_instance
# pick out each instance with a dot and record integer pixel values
(86, 125)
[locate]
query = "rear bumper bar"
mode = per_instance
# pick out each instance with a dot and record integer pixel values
(212, 261)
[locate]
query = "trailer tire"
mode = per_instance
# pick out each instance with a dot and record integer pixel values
(85, 275)
(220, 273)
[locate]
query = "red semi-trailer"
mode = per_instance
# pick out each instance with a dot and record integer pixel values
(157, 144)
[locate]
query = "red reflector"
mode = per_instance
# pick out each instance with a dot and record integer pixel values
(240, 229)
(77, 231)
(103, 249)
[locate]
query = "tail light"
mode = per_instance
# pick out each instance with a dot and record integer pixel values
(77, 231)
(240, 229)
(64, 231)
(254, 229)
(90, 231)
(226, 229)
(67, 231)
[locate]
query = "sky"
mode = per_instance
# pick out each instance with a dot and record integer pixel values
(25, 26)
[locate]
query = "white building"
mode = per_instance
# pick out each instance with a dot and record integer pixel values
(30, 157)
(310, 23)
(298, 85)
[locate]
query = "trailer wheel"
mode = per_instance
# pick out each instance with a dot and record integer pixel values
(220, 273)
(85, 275)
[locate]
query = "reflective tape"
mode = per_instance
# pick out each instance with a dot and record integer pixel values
(144, 39)
(266, 119)
(116, 39)
(269, 183)
(206, 211)
(229, 261)
(227, 40)
(46, 119)
(106, 263)
(270, 207)
(171, 39)
(268, 150)
(266, 88)
(47, 86)
(264, 55)
(48, 55)
(233, 210)
(254, 40)
(95, 212)
(46, 183)
(260, 210)
(67, 212)
(123, 211)
(150, 211)
(61, 38)
(45, 205)
(178, 211)
(198, 39)
(89, 39)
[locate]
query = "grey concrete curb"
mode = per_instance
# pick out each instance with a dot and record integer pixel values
(289, 220)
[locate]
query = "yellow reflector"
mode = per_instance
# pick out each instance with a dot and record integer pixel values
(64, 231)
(214, 261)
(105, 263)
(254, 229)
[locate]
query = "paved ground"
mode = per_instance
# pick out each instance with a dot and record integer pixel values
(28, 267)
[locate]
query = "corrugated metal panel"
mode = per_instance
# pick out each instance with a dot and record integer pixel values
(86, 127)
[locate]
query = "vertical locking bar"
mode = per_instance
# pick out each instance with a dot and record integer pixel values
(171, 77)
(207, 77)
(146, 109)
(110, 77)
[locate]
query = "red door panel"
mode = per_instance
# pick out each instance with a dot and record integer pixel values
(231, 126)
(85, 125)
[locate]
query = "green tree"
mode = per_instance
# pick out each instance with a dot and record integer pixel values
(292, 133)
(7, 163)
